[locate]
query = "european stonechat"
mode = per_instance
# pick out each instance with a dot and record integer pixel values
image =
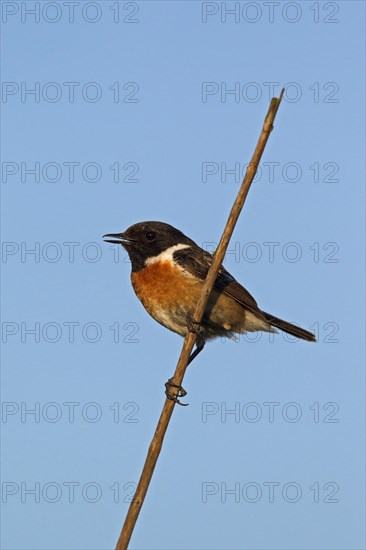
(168, 271)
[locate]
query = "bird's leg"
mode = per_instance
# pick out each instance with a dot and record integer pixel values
(200, 344)
(175, 396)
(193, 326)
(196, 328)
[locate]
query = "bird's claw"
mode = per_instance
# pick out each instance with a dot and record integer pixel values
(194, 326)
(175, 396)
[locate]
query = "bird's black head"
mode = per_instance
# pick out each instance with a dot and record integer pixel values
(147, 239)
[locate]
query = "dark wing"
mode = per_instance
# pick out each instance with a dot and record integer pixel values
(197, 262)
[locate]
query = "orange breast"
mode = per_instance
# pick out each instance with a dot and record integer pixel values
(161, 285)
(170, 295)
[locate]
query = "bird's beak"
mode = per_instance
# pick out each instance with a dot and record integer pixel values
(117, 238)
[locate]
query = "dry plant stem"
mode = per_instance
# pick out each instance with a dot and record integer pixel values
(157, 441)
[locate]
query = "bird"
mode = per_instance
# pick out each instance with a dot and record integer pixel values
(168, 272)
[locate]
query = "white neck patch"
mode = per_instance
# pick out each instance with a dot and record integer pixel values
(167, 255)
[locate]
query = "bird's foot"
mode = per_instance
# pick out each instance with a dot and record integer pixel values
(194, 326)
(174, 396)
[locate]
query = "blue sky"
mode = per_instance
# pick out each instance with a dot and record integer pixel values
(119, 112)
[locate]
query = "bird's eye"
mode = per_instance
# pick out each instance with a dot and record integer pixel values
(150, 236)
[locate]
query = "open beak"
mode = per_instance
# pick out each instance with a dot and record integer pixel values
(117, 238)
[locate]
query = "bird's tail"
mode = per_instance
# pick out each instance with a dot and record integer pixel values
(289, 328)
